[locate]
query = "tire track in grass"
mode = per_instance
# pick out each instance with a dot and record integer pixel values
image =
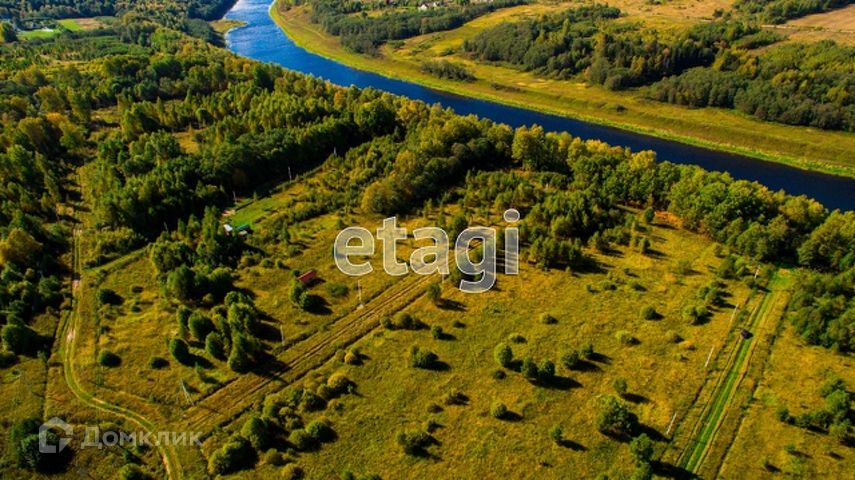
(711, 419)
(67, 346)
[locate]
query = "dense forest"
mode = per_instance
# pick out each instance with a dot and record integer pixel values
(708, 64)
(31, 13)
(114, 100)
(779, 11)
(364, 33)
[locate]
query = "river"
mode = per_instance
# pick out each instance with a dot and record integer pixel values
(261, 39)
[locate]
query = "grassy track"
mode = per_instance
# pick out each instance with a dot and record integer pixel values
(67, 336)
(233, 399)
(737, 366)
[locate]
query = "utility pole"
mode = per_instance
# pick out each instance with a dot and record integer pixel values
(359, 289)
(709, 357)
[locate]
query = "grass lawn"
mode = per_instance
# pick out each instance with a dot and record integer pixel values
(794, 375)
(663, 375)
(803, 147)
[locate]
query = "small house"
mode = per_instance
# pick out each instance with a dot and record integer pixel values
(244, 230)
(229, 229)
(308, 277)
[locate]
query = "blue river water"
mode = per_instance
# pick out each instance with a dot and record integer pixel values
(261, 39)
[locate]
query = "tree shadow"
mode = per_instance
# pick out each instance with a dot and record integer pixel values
(635, 398)
(586, 366)
(668, 470)
(559, 382)
(601, 358)
(577, 447)
(448, 304)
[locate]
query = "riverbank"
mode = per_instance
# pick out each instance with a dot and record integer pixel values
(805, 148)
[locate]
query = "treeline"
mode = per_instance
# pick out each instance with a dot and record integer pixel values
(32, 13)
(779, 11)
(364, 33)
(617, 55)
(447, 70)
(794, 83)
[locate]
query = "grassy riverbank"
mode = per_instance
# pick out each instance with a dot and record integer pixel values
(802, 147)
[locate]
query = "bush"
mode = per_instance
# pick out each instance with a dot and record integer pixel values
(214, 346)
(320, 430)
(352, 358)
(673, 337)
(614, 417)
(529, 369)
(498, 410)
(336, 290)
(107, 358)
(641, 448)
(293, 472)
(18, 339)
(548, 319)
(405, 321)
(516, 338)
(436, 332)
(649, 313)
(235, 455)
(180, 351)
(556, 434)
(625, 338)
(200, 326)
(619, 384)
(108, 297)
(434, 292)
(570, 358)
(587, 351)
(546, 371)
(131, 472)
(255, 430)
(503, 354)
(301, 440)
(422, 358)
(339, 383)
(413, 442)
(454, 397)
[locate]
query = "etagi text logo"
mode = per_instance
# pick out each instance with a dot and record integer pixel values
(358, 241)
(55, 435)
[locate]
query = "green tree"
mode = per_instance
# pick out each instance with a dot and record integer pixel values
(180, 351)
(641, 448)
(614, 417)
(503, 354)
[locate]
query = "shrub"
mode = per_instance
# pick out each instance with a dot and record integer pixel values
(625, 338)
(422, 358)
(503, 354)
(352, 358)
(18, 339)
(498, 410)
(641, 448)
(273, 457)
(436, 332)
(320, 430)
(454, 397)
(556, 434)
(649, 313)
(214, 346)
(336, 290)
(434, 292)
(673, 337)
(235, 455)
(405, 321)
(413, 442)
(339, 383)
(107, 296)
(545, 371)
(570, 358)
(301, 440)
(587, 351)
(107, 358)
(180, 351)
(310, 401)
(529, 369)
(619, 384)
(548, 319)
(131, 472)
(200, 326)
(516, 338)
(293, 472)
(255, 430)
(614, 417)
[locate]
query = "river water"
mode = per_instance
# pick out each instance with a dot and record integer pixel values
(261, 39)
